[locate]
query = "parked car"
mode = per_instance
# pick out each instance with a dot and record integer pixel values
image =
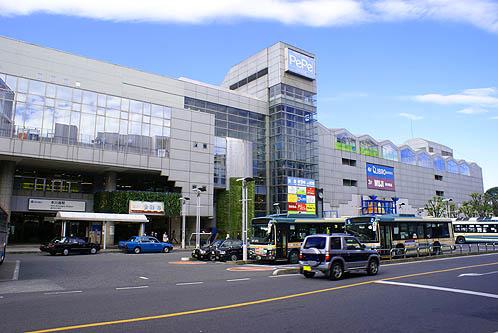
(207, 252)
(230, 249)
(68, 245)
(138, 244)
(335, 254)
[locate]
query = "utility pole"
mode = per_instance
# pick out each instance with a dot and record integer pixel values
(184, 213)
(244, 214)
(198, 191)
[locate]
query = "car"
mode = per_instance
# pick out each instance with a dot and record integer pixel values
(67, 245)
(229, 250)
(336, 254)
(139, 244)
(207, 252)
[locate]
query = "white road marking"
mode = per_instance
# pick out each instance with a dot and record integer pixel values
(15, 276)
(477, 274)
(242, 279)
(64, 292)
(143, 277)
(423, 286)
(135, 287)
(439, 259)
(283, 275)
(188, 283)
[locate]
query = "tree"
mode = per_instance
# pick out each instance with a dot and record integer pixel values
(436, 207)
(493, 196)
(479, 205)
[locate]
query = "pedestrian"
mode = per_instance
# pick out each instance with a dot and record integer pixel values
(165, 237)
(173, 237)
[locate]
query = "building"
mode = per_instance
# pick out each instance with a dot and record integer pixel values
(75, 132)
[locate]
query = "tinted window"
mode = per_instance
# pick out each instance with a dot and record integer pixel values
(352, 244)
(315, 242)
(335, 243)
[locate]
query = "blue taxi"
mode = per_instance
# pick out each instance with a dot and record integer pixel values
(139, 244)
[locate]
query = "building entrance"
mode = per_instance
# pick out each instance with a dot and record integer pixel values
(33, 228)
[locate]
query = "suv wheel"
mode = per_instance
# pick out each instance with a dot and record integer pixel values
(309, 275)
(336, 271)
(373, 267)
(233, 257)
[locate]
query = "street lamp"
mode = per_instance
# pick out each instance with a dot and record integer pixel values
(184, 213)
(198, 191)
(277, 207)
(448, 200)
(244, 181)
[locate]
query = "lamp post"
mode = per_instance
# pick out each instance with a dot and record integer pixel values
(198, 191)
(244, 214)
(277, 207)
(448, 200)
(184, 213)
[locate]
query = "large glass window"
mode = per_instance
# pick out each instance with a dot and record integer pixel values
(439, 164)
(65, 115)
(452, 166)
(345, 142)
(369, 148)
(464, 169)
(390, 152)
(424, 160)
(408, 156)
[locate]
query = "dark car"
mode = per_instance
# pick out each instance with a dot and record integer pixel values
(230, 249)
(138, 244)
(68, 245)
(207, 252)
(335, 254)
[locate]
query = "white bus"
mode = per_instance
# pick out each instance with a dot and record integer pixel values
(476, 230)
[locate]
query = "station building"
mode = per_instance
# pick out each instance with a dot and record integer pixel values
(77, 133)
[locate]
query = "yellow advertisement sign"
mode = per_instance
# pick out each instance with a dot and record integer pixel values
(310, 208)
(291, 197)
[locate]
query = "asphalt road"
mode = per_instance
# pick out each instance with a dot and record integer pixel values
(151, 293)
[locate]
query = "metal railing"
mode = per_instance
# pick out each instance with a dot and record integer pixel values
(419, 251)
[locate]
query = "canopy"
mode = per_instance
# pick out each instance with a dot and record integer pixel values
(101, 217)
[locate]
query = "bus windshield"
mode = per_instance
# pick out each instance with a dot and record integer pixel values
(262, 233)
(363, 231)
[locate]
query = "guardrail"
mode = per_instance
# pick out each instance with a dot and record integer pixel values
(404, 252)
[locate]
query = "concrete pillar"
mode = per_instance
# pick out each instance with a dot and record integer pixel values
(7, 170)
(109, 233)
(110, 181)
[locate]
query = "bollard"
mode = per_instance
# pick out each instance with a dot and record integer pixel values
(461, 248)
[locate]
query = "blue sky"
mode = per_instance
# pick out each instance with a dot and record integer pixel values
(379, 70)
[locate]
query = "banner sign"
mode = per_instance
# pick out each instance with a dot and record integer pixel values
(146, 207)
(301, 196)
(380, 177)
(300, 64)
(56, 205)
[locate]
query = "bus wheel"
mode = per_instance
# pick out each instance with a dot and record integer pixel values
(293, 257)
(460, 240)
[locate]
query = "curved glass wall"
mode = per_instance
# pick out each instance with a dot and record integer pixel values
(424, 160)
(408, 156)
(389, 152)
(345, 142)
(452, 166)
(439, 164)
(369, 148)
(48, 112)
(464, 169)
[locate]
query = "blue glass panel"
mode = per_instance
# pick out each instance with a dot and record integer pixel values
(408, 156)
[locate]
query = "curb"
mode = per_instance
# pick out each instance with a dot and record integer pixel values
(286, 271)
(426, 258)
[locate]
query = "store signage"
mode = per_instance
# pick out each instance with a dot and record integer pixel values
(57, 205)
(301, 196)
(380, 177)
(300, 64)
(146, 207)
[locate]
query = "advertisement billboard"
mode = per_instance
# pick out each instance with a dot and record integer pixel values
(380, 177)
(301, 196)
(146, 207)
(300, 64)
(57, 205)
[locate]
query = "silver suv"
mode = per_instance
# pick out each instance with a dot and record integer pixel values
(335, 254)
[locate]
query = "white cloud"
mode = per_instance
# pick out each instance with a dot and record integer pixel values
(410, 116)
(472, 110)
(494, 118)
(480, 96)
(480, 13)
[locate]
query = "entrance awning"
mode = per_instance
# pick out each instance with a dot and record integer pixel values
(101, 217)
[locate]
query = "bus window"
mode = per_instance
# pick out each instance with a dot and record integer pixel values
(494, 228)
(297, 232)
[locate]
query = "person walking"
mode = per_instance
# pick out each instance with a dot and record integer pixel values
(173, 237)
(165, 237)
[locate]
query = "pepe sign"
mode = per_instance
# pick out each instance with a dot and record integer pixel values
(380, 177)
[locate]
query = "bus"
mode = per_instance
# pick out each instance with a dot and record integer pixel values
(476, 230)
(403, 231)
(3, 234)
(279, 237)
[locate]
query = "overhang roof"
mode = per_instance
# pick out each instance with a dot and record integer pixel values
(101, 217)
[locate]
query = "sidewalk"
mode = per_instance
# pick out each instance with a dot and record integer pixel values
(35, 248)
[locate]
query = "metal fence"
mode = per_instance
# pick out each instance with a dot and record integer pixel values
(419, 251)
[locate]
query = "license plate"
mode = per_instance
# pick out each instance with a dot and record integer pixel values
(307, 268)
